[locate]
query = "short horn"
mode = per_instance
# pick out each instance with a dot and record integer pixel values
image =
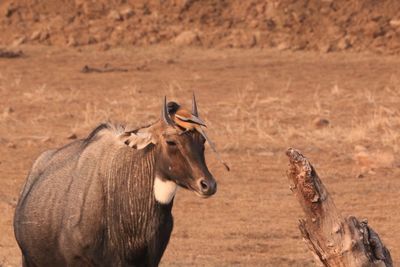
(194, 106)
(165, 114)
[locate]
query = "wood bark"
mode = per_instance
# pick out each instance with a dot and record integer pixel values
(334, 240)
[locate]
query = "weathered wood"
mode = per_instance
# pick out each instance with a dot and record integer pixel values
(335, 241)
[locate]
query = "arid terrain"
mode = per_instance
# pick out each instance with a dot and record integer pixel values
(320, 76)
(340, 110)
(297, 25)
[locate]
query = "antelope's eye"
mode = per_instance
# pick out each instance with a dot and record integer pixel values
(171, 143)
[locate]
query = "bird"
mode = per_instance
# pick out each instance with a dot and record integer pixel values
(183, 117)
(190, 121)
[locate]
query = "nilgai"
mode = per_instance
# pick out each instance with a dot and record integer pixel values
(106, 200)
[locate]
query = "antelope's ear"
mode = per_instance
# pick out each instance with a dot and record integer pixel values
(138, 140)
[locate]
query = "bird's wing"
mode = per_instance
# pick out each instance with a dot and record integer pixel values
(188, 117)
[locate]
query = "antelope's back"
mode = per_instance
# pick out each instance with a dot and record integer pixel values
(38, 215)
(59, 207)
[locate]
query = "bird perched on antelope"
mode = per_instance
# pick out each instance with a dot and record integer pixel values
(184, 118)
(190, 121)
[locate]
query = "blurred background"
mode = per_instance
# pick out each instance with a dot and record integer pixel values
(320, 76)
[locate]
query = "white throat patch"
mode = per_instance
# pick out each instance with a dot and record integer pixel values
(164, 190)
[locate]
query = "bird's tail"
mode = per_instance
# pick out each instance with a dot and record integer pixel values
(213, 148)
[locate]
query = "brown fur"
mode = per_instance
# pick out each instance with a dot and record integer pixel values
(91, 203)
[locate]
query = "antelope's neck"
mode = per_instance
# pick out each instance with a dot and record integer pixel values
(132, 207)
(164, 190)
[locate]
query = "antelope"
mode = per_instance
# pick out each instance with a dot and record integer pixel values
(106, 200)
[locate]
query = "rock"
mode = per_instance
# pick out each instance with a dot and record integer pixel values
(395, 23)
(142, 67)
(187, 38)
(35, 35)
(126, 12)
(241, 39)
(11, 145)
(44, 35)
(271, 24)
(367, 161)
(393, 44)
(40, 35)
(71, 41)
(10, 10)
(8, 110)
(325, 47)
(334, 31)
(260, 8)
(254, 23)
(57, 23)
(153, 39)
(19, 41)
(321, 123)
(283, 46)
(146, 10)
(359, 148)
(114, 15)
(325, 10)
(300, 45)
(72, 136)
(373, 29)
(83, 39)
(343, 43)
(92, 40)
(104, 47)
(360, 175)
(335, 90)
(92, 9)
(79, 3)
(170, 61)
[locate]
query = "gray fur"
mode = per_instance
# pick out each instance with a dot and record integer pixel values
(91, 203)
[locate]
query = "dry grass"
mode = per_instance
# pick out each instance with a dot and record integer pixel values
(252, 123)
(251, 118)
(247, 118)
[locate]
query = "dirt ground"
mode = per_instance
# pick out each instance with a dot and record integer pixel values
(340, 25)
(340, 110)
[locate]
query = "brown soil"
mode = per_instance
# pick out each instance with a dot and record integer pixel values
(340, 110)
(283, 24)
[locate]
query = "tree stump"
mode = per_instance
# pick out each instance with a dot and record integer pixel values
(335, 241)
